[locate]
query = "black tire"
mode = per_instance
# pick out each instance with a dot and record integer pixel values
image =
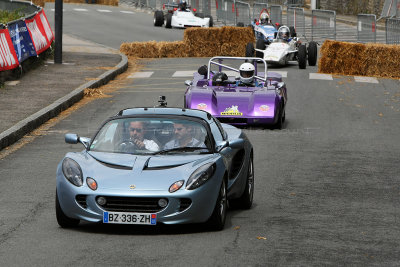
(218, 217)
(240, 24)
(246, 199)
(302, 56)
(260, 44)
(312, 53)
(292, 31)
(62, 219)
(158, 18)
(200, 15)
(211, 23)
(168, 20)
(280, 121)
(250, 50)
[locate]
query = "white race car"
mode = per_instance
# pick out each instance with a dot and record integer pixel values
(177, 17)
(284, 49)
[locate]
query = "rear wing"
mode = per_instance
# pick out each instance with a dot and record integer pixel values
(254, 60)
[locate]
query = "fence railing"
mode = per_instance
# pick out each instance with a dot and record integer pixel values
(366, 28)
(242, 13)
(323, 25)
(295, 17)
(393, 31)
(257, 8)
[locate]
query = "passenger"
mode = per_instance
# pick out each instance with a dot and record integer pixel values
(184, 132)
(219, 79)
(136, 133)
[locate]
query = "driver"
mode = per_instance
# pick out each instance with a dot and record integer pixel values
(264, 19)
(183, 137)
(136, 137)
(182, 5)
(246, 74)
(283, 33)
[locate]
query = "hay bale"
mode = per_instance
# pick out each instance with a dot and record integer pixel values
(233, 50)
(379, 60)
(173, 49)
(241, 35)
(196, 35)
(141, 49)
(204, 49)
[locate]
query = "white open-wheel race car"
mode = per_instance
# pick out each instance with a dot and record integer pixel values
(284, 48)
(181, 16)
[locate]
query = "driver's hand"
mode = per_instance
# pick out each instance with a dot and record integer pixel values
(138, 143)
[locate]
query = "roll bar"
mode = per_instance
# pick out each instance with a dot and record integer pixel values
(218, 62)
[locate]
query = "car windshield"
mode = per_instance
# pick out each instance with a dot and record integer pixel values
(152, 136)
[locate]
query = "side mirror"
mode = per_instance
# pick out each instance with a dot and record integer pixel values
(280, 85)
(74, 139)
(236, 144)
(221, 145)
(71, 138)
(188, 82)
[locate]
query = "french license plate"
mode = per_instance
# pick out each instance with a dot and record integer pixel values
(130, 218)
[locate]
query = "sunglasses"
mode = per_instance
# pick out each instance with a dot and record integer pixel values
(139, 130)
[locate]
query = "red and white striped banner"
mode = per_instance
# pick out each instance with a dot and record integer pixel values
(8, 57)
(38, 34)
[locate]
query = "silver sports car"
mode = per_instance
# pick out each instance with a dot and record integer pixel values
(156, 166)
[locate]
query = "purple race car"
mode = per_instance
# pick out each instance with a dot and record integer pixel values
(254, 98)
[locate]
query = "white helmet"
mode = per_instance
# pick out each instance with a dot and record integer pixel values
(246, 71)
(264, 18)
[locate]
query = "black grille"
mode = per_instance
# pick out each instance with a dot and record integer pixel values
(131, 204)
(185, 203)
(81, 199)
(232, 120)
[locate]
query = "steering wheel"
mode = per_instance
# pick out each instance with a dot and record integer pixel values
(126, 146)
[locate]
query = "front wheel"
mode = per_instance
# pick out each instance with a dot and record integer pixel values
(158, 18)
(168, 21)
(260, 44)
(246, 199)
(250, 50)
(302, 56)
(218, 217)
(211, 22)
(312, 53)
(62, 219)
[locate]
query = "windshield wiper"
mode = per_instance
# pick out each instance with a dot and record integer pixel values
(183, 149)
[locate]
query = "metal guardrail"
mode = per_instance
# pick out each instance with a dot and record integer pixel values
(366, 28)
(323, 25)
(392, 31)
(242, 13)
(257, 8)
(275, 13)
(296, 18)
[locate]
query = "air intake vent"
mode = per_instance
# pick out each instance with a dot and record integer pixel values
(185, 203)
(131, 204)
(81, 199)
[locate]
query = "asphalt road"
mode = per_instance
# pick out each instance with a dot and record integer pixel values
(326, 190)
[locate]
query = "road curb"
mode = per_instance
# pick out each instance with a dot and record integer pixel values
(27, 125)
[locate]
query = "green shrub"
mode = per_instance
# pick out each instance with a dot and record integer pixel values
(7, 16)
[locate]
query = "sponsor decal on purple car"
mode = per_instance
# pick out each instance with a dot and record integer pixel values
(232, 111)
(264, 108)
(202, 106)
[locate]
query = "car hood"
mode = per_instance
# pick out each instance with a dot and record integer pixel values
(124, 173)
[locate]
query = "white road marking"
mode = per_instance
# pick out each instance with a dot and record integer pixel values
(127, 12)
(320, 76)
(362, 79)
(141, 74)
(12, 83)
(81, 9)
(104, 10)
(183, 73)
(283, 73)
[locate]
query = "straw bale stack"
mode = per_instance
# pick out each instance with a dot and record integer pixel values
(173, 49)
(141, 49)
(379, 60)
(99, 2)
(197, 42)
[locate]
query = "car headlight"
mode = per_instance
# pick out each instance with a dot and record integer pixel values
(200, 176)
(72, 171)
